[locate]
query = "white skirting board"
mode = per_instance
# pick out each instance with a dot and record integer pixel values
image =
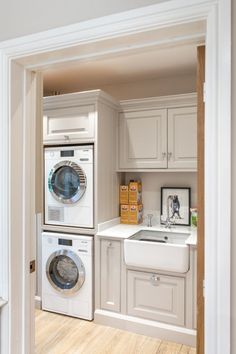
(38, 302)
(146, 327)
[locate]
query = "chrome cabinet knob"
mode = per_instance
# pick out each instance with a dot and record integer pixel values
(164, 155)
(155, 280)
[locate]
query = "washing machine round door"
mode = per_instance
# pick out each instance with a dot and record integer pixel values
(65, 271)
(67, 182)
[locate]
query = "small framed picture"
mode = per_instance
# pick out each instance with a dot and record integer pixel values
(175, 205)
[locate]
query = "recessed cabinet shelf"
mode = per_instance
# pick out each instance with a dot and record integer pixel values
(158, 133)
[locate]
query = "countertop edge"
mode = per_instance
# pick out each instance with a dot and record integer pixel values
(124, 231)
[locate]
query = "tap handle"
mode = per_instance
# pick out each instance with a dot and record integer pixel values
(149, 219)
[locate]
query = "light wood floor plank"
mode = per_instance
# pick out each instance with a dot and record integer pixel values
(58, 334)
(168, 347)
(184, 350)
(192, 351)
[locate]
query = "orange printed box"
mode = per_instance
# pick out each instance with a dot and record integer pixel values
(124, 194)
(135, 192)
(124, 214)
(135, 214)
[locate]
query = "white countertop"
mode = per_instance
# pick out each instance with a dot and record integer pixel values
(113, 229)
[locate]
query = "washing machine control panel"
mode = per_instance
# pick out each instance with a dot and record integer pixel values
(83, 246)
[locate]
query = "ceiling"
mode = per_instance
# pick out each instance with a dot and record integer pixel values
(141, 65)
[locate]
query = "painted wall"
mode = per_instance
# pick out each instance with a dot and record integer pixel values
(18, 18)
(162, 86)
(152, 183)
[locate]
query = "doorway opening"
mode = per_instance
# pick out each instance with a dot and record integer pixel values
(166, 72)
(26, 91)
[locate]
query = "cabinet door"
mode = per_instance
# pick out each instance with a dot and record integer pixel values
(143, 139)
(156, 297)
(69, 124)
(182, 138)
(110, 275)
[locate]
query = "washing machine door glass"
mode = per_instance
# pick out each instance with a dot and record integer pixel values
(65, 271)
(67, 182)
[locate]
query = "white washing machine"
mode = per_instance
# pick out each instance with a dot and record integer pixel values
(67, 276)
(69, 186)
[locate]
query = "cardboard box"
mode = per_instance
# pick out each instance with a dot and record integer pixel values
(135, 214)
(124, 214)
(135, 192)
(124, 194)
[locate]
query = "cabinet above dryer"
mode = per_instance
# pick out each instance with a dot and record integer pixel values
(158, 134)
(73, 118)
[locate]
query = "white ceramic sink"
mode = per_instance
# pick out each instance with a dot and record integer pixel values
(161, 250)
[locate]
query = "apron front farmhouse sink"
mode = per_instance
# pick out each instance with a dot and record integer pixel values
(161, 250)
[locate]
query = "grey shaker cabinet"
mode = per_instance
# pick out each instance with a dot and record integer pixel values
(156, 297)
(110, 275)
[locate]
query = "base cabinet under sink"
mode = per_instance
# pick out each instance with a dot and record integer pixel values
(141, 299)
(156, 297)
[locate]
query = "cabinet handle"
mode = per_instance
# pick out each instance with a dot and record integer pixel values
(109, 244)
(169, 155)
(155, 280)
(163, 155)
(66, 137)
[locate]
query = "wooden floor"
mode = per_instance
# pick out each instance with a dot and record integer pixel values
(57, 334)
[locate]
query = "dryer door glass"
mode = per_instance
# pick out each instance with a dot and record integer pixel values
(65, 271)
(67, 182)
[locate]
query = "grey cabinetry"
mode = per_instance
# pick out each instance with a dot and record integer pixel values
(110, 275)
(156, 297)
(142, 139)
(69, 124)
(158, 133)
(182, 138)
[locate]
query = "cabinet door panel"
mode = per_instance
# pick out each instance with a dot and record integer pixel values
(143, 139)
(156, 297)
(110, 275)
(69, 124)
(182, 137)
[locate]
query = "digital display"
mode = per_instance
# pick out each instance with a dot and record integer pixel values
(67, 153)
(64, 242)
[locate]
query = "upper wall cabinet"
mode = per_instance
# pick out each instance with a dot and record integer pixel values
(75, 117)
(69, 124)
(158, 133)
(182, 137)
(142, 139)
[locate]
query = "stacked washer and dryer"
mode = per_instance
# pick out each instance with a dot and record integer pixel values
(78, 129)
(67, 259)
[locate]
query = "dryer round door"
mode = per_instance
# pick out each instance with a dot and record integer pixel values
(67, 182)
(65, 271)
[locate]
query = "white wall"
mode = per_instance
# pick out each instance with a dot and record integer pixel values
(152, 183)
(162, 86)
(18, 18)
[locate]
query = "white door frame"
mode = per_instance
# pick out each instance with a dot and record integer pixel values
(17, 97)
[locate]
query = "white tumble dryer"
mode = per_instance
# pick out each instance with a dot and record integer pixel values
(67, 277)
(69, 186)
